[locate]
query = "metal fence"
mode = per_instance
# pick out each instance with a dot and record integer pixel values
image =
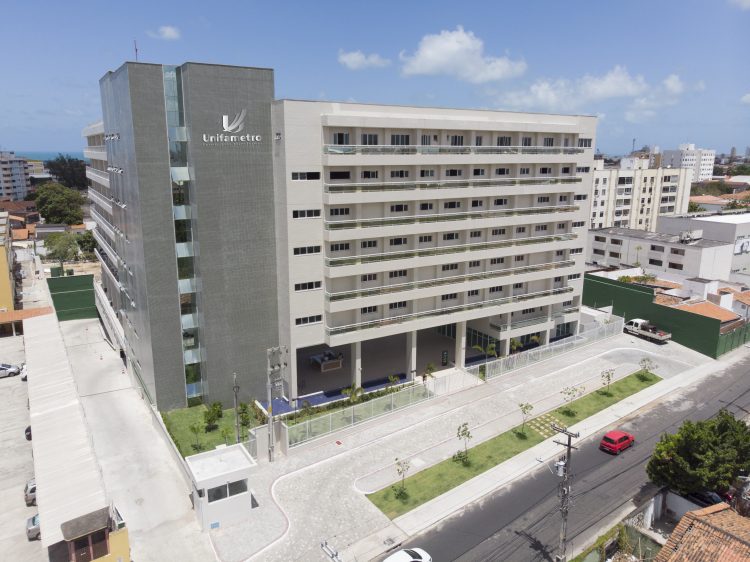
(504, 365)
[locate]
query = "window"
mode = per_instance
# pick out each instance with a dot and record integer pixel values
(598, 252)
(452, 205)
(566, 170)
(578, 224)
(338, 211)
(472, 293)
(425, 206)
(655, 248)
(580, 197)
(540, 228)
(426, 140)
(503, 141)
(520, 229)
(449, 297)
(518, 285)
(369, 138)
(576, 251)
(396, 274)
(369, 244)
(564, 199)
(457, 140)
(498, 232)
(584, 170)
(624, 181)
(601, 239)
(653, 261)
(574, 276)
(478, 141)
(524, 171)
(475, 234)
(340, 175)
(399, 173)
(549, 141)
(425, 238)
(217, 493)
(584, 143)
(545, 170)
(307, 286)
(399, 208)
(497, 289)
(306, 250)
(397, 305)
(340, 138)
(400, 140)
(559, 253)
(315, 319)
(500, 202)
(477, 203)
(449, 267)
(526, 141)
(677, 266)
(528, 310)
(519, 258)
(451, 236)
(238, 487)
(474, 263)
(426, 173)
(615, 241)
(677, 251)
(368, 309)
(558, 280)
(369, 174)
(452, 172)
(369, 277)
(543, 199)
(561, 226)
(502, 171)
(339, 246)
(305, 175)
(397, 242)
(496, 261)
(479, 171)
(614, 255)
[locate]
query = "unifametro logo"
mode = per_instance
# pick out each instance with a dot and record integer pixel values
(237, 125)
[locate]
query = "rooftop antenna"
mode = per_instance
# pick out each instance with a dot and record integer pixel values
(135, 47)
(633, 139)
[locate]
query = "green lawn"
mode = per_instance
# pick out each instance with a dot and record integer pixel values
(442, 477)
(178, 423)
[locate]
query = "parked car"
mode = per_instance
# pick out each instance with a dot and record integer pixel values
(28, 433)
(29, 492)
(616, 441)
(409, 555)
(705, 498)
(7, 370)
(33, 531)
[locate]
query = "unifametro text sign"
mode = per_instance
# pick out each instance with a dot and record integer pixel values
(231, 130)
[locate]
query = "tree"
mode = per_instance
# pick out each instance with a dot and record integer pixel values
(703, 455)
(571, 393)
(514, 345)
(59, 204)
(647, 364)
(402, 467)
(464, 435)
(489, 350)
(196, 430)
(526, 409)
(427, 373)
(607, 376)
(61, 246)
(71, 172)
(695, 208)
(638, 249)
(210, 418)
(353, 392)
(393, 380)
(226, 433)
(86, 242)
(243, 411)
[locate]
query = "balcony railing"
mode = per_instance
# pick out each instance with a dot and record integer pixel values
(441, 250)
(420, 219)
(99, 199)
(447, 280)
(444, 149)
(103, 223)
(331, 331)
(97, 176)
(105, 245)
(532, 321)
(446, 184)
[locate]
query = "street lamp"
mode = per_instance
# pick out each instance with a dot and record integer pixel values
(236, 389)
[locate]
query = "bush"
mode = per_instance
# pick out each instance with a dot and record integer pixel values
(217, 409)
(643, 376)
(258, 413)
(210, 419)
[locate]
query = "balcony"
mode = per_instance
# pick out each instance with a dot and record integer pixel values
(421, 219)
(97, 176)
(108, 267)
(520, 323)
(332, 331)
(95, 152)
(444, 149)
(104, 202)
(445, 184)
(103, 223)
(105, 245)
(459, 248)
(447, 280)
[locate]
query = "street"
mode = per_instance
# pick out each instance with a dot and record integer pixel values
(522, 521)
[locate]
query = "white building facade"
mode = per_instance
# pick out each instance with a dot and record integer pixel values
(14, 177)
(700, 160)
(633, 195)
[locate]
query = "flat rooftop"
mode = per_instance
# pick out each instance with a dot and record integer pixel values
(729, 219)
(659, 237)
(220, 461)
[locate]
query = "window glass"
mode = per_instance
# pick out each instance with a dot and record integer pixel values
(218, 493)
(238, 487)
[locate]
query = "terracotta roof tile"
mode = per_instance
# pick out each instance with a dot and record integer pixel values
(709, 309)
(667, 300)
(16, 315)
(744, 298)
(20, 233)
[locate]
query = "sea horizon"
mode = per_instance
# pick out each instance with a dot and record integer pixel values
(48, 154)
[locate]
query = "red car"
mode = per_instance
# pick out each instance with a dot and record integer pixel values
(616, 441)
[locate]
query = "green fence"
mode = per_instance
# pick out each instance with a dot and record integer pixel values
(73, 297)
(633, 301)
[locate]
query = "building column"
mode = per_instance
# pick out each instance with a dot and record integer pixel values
(411, 355)
(460, 351)
(356, 351)
(294, 389)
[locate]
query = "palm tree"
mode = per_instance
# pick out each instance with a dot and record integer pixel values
(427, 374)
(514, 345)
(353, 392)
(491, 349)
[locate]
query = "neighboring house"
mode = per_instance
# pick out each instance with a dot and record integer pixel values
(710, 203)
(712, 534)
(25, 209)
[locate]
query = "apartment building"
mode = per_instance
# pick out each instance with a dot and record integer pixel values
(371, 240)
(700, 160)
(14, 177)
(634, 194)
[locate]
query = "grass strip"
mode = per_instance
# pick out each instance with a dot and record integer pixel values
(178, 424)
(448, 474)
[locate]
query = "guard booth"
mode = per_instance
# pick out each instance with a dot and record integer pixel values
(221, 493)
(99, 535)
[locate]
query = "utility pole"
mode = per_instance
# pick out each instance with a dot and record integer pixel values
(275, 363)
(562, 467)
(236, 389)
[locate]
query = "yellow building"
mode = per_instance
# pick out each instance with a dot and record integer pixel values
(7, 286)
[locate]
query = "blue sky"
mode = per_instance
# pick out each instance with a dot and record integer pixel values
(664, 72)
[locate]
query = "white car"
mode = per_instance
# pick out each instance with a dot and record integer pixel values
(8, 370)
(409, 555)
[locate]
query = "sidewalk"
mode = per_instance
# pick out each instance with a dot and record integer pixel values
(313, 495)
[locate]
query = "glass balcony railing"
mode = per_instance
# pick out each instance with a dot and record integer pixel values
(447, 280)
(445, 184)
(520, 323)
(334, 330)
(421, 219)
(441, 250)
(443, 149)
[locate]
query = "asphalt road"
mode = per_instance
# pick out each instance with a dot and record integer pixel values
(522, 521)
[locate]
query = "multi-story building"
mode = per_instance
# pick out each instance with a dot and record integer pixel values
(14, 177)
(633, 194)
(701, 160)
(371, 240)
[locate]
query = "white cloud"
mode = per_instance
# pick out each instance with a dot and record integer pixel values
(166, 32)
(745, 98)
(741, 4)
(699, 86)
(357, 60)
(459, 54)
(673, 85)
